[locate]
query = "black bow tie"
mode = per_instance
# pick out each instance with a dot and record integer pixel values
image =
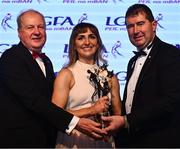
(139, 53)
(36, 55)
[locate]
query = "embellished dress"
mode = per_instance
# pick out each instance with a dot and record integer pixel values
(80, 97)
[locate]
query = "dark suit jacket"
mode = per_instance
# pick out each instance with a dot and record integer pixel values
(28, 118)
(155, 115)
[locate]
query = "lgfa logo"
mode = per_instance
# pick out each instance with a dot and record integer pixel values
(118, 21)
(59, 20)
(114, 49)
(159, 18)
(83, 18)
(5, 22)
(62, 22)
(115, 24)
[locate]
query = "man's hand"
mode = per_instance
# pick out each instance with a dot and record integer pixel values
(90, 128)
(114, 123)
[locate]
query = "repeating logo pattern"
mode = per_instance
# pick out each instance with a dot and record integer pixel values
(158, 19)
(5, 23)
(115, 48)
(108, 15)
(83, 18)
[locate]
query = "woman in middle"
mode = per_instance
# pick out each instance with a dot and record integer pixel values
(74, 89)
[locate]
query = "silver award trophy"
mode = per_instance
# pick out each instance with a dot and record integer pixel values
(100, 80)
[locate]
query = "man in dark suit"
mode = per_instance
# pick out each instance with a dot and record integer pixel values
(28, 118)
(151, 113)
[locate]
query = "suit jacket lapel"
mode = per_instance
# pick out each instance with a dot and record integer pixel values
(147, 64)
(49, 68)
(45, 85)
(148, 61)
(32, 65)
(130, 68)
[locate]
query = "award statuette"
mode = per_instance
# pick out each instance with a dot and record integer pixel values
(100, 79)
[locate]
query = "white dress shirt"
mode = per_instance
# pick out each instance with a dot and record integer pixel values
(75, 119)
(41, 65)
(134, 78)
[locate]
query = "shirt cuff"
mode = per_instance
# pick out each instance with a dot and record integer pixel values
(72, 124)
(126, 123)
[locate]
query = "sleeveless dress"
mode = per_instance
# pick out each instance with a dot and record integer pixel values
(80, 97)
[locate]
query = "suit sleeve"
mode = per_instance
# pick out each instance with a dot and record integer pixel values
(18, 81)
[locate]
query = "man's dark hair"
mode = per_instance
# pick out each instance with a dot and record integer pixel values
(139, 8)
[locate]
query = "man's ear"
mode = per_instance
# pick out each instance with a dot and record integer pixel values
(154, 23)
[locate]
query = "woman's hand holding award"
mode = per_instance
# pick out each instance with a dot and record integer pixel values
(100, 79)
